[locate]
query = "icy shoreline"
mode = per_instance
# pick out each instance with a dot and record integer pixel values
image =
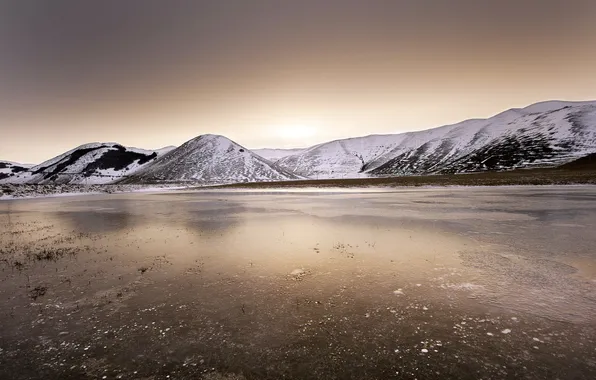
(23, 191)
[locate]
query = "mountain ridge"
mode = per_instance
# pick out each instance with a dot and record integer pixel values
(547, 133)
(438, 150)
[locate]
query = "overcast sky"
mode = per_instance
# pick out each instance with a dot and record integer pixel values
(277, 73)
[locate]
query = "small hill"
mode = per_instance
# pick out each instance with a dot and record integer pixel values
(211, 159)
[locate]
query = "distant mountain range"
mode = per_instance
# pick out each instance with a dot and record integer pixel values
(276, 154)
(541, 135)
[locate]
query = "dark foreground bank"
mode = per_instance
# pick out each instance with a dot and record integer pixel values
(554, 176)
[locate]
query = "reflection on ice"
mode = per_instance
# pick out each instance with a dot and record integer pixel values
(327, 277)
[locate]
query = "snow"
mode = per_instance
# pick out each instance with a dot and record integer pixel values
(212, 159)
(552, 105)
(340, 158)
(441, 148)
(12, 163)
(566, 129)
(164, 150)
(73, 172)
(12, 172)
(274, 155)
(60, 157)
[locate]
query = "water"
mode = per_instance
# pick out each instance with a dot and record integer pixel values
(418, 283)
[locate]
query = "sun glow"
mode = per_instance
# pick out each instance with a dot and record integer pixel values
(296, 131)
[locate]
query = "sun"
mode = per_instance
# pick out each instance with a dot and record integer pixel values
(296, 131)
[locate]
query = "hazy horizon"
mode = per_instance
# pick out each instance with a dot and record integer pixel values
(277, 74)
(274, 147)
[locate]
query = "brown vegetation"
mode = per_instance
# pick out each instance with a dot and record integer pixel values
(564, 175)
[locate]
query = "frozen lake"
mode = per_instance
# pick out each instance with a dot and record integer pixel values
(408, 283)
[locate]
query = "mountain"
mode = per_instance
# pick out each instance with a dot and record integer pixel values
(164, 150)
(340, 158)
(543, 134)
(211, 159)
(9, 169)
(95, 163)
(276, 154)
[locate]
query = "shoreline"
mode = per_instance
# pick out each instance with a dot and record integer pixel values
(29, 191)
(521, 177)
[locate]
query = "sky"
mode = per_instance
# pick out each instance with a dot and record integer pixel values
(277, 73)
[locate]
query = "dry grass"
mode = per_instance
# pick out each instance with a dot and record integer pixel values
(551, 176)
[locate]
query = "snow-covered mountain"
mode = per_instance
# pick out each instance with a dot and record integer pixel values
(543, 134)
(164, 150)
(211, 159)
(10, 169)
(95, 163)
(340, 158)
(274, 155)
